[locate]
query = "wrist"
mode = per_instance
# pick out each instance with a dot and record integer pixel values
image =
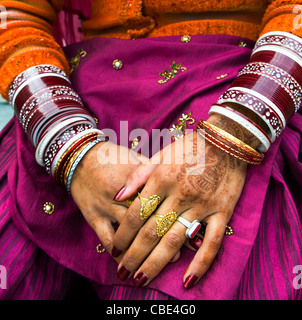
(234, 129)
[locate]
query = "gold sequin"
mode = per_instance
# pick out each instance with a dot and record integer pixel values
(242, 44)
(229, 231)
(117, 64)
(100, 249)
(134, 143)
(185, 39)
(222, 76)
(49, 208)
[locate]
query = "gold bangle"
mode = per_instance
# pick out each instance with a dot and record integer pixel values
(233, 141)
(230, 152)
(62, 159)
(70, 160)
(233, 146)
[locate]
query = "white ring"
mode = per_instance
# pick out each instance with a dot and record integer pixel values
(192, 228)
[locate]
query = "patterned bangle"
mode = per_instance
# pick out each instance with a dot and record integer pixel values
(227, 149)
(30, 75)
(259, 104)
(229, 143)
(63, 137)
(68, 158)
(58, 160)
(78, 159)
(289, 44)
(281, 78)
(245, 122)
(40, 149)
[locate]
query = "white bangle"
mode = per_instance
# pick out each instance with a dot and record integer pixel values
(261, 136)
(49, 136)
(69, 143)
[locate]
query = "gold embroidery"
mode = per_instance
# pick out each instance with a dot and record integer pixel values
(222, 76)
(117, 64)
(134, 143)
(49, 208)
(168, 75)
(99, 248)
(179, 130)
(74, 62)
(185, 39)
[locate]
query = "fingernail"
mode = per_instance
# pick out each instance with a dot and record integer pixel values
(140, 280)
(196, 242)
(190, 281)
(123, 273)
(115, 252)
(119, 194)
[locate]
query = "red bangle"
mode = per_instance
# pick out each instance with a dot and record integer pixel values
(272, 90)
(280, 60)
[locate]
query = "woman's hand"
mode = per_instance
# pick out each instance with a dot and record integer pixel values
(98, 177)
(206, 191)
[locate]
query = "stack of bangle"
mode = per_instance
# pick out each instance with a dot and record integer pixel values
(245, 122)
(55, 120)
(228, 143)
(271, 83)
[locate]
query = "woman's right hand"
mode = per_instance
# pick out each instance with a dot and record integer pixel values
(96, 181)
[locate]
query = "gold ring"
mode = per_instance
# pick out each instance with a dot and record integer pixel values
(148, 206)
(164, 223)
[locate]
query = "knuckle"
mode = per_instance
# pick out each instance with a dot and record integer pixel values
(133, 219)
(130, 261)
(107, 244)
(134, 175)
(173, 240)
(149, 235)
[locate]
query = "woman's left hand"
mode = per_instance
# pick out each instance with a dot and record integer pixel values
(206, 191)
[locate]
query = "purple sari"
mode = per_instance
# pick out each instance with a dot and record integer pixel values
(256, 262)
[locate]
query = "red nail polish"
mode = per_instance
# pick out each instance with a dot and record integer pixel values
(123, 273)
(119, 194)
(196, 242)
(190, 281)
(140, 280)
(115, 252)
